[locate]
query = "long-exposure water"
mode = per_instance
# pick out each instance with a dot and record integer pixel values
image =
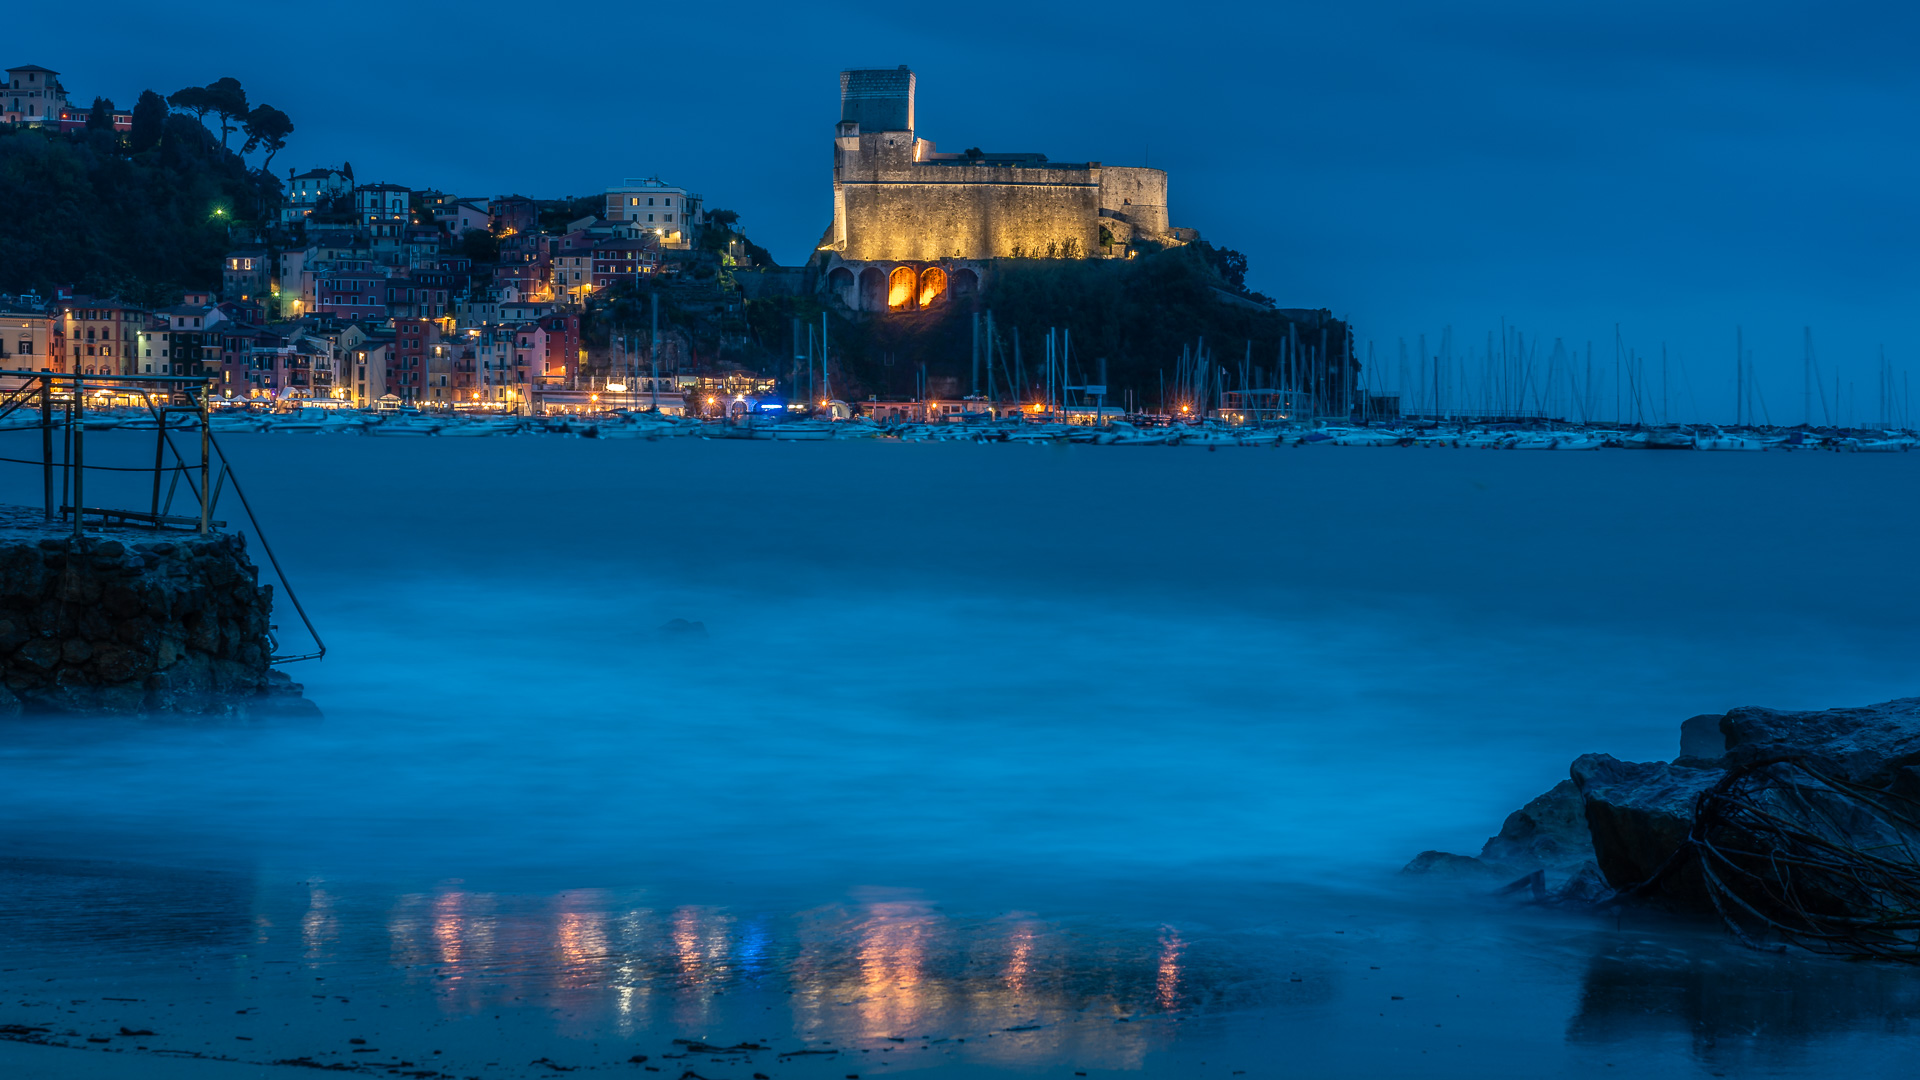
(1056, 760)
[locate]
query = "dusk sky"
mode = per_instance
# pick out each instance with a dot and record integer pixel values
(1676, 169)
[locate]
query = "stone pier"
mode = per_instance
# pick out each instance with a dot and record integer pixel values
(130, 620)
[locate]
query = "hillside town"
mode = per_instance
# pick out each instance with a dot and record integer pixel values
(370, 294)
(339, 290)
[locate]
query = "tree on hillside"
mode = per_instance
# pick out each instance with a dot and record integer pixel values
(1231, 265)
(100, 117)
(149, 113)
(269, 127)
(722, 218)
(140, 226)
(480, 245)
(193, 99)
(228, 101)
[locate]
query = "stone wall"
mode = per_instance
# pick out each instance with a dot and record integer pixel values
(913, 222)
(132, 621)
(893, 208)
(1137, 196)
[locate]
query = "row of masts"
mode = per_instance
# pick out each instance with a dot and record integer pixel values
(1511, 381)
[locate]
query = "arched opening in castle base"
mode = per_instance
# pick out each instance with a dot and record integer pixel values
(963, 283)
(933, 286)
(840, 284)
(873, 289)
(900, 288)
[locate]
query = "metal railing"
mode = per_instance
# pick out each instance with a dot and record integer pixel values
(174, 404)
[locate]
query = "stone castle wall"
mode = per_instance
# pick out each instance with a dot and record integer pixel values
(894, 208)
(1137, 196)
(129, 621)
(963, 219)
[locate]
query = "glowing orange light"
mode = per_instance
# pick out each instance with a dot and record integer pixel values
(901, 287)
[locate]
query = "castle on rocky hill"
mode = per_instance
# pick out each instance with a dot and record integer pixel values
(914, 228)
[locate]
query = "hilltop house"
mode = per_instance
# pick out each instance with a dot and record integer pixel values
(34, 96)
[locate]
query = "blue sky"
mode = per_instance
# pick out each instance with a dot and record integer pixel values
(1676, 169)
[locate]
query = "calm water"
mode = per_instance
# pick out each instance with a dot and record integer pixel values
(1098, 758)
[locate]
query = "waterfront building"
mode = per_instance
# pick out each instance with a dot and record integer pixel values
(31, 338)
(103, 335)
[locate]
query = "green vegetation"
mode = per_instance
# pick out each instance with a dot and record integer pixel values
(142, 225)
(142, 215)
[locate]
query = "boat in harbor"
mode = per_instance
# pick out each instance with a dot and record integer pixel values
(401, 425)
(1657, 440)
(479, 429)
(1873, 445)
(1715, 439)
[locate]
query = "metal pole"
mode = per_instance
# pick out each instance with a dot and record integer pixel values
(159, 453)
(76, 423)
(46, 441)
(206, 436)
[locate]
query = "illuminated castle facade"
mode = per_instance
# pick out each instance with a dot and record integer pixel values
(914, 228)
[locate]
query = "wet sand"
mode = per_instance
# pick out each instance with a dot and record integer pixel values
(1274, 981)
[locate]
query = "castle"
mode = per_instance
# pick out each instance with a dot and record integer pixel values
(914, 228)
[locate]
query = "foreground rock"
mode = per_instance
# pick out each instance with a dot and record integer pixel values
(1636, 821)
(125, 621)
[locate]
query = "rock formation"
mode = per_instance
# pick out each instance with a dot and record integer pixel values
(130, 621)
(1636, 821)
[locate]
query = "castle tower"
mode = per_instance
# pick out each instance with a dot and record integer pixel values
(871, 100)
(877, 99)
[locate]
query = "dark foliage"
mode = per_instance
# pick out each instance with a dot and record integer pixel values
(1136, 314)
(269, 127)
(193, 99)
(1231, 265)
(480, 245)
(1139, 313)
(100, 117)
(149, 116)
(142, 226)
(557, 214)
(228, 101)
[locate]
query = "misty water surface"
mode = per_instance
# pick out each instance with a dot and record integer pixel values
(1147, 688)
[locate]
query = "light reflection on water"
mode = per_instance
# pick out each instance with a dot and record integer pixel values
(867, 972)
(905, 734)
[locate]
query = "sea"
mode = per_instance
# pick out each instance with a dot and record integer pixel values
(725, 759)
